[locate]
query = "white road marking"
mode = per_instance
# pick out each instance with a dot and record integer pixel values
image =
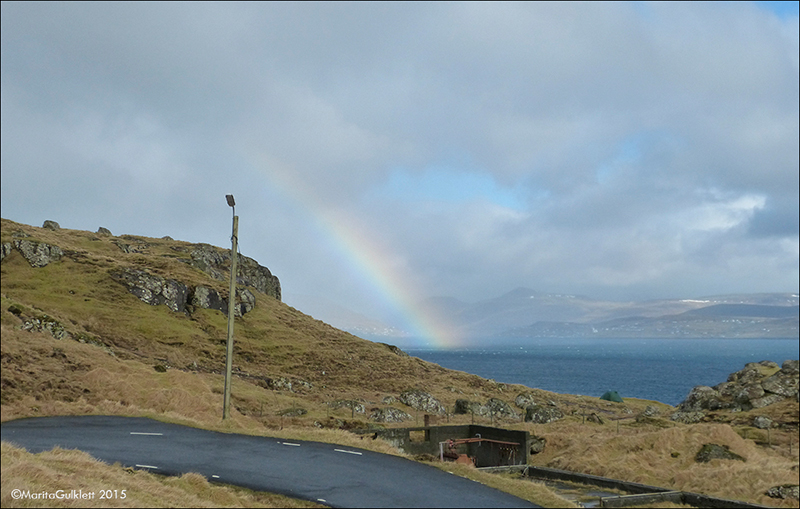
(287, 443)
(152, 434)
(215, 476)
(348, 452)
(147, 466)
(321, 500)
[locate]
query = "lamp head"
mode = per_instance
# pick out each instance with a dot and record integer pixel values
(229, 197)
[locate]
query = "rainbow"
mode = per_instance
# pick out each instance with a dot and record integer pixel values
(374, 264)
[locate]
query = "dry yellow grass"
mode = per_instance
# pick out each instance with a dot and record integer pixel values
(113, 373)
(68, 470)
(666, 458)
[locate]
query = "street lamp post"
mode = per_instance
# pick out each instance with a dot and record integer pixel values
(226, 405)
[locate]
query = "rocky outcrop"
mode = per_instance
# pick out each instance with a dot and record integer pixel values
(758, 385)
(716, 452)
(38, 254)
(45, 323)
(784, 491)
(6, 250)
(217, 264)
(51, 225)
(542, 414)
(389, 414)
(104, 231)
(156, 290)
(421, 400)
(355, 406)
(500, 408)
(523, 401)
(153, 289)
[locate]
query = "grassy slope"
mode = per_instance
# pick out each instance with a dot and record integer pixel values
(112, 371)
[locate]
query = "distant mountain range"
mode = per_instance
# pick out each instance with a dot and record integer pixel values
(526, 313)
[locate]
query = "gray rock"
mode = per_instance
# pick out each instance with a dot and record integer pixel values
(46, 324)
(152, 289)
(537, 444)
(701, 397)
(466, 407)
(767, 400)
(38, 254)
(748, 393)
(388, 400)
(207, 298)
(650, 411)
(355, 406)
(791, 367)
(51, 225)
(523, 401)
(217, 264)
(762, 422)
(542, 414)
(6, 250)
(782, 384)
(500, 408)
(104, 231)
(713, 452)
(784, 491)
(389, 414)
(691, 417)
(421, 400)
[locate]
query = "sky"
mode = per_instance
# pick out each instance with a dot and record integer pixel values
(384, 153)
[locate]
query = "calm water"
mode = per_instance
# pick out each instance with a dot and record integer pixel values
(658, 369)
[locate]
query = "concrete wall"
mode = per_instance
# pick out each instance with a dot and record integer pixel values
(642, 493)
(425, 440)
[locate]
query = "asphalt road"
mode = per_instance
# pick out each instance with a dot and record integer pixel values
(334, 475)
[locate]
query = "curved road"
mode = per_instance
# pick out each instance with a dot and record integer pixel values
(333, 475)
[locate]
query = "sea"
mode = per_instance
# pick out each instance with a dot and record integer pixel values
(663, 370)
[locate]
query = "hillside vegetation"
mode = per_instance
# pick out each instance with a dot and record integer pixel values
(76, 341)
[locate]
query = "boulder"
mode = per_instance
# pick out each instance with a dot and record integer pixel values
(51, 225)
(421, 400)
(500, 408)
(542, 414)
(6, 250)
(762, 422)
(104, 231)
(389, 414)
(353, 405)
(650, 411)
(791, 367)
(523, 401)
(784, 491)
(537, 444)
(782, 384)
(388, 400)
(38, 254)
(464, 406)
(701, 397)
(713, 452)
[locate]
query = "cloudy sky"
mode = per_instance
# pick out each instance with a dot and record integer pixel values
(384, 153)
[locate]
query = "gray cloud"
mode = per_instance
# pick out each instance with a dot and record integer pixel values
(655, 146)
